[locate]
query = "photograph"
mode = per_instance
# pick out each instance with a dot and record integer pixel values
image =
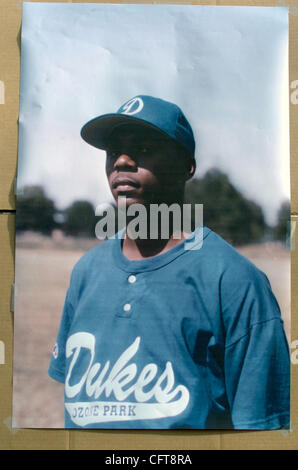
(152, 259)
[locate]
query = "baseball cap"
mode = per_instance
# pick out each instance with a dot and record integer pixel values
(147, 111)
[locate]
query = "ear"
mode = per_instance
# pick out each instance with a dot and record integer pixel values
(191, 168)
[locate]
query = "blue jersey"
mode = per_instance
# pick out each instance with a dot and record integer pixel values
(187, 339)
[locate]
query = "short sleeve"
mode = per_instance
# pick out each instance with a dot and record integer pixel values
(257, 374)
(57, 363)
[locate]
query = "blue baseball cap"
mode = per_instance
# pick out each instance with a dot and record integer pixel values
(147, 111)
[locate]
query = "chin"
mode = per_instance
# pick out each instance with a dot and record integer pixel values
(123, 202)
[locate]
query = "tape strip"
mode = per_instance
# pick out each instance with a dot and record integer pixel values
(2, 352)
(292, 10)
(8, 424)
(12, 297)
(2, 92)
(286, 432)
(19, 4)
(291, 235)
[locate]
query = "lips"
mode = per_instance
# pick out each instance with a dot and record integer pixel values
(124, 184)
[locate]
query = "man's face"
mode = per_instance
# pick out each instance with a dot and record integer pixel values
(144, 166)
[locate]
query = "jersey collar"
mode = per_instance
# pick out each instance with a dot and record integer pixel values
(158, 261)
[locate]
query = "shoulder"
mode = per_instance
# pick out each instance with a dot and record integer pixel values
(226, 262)
(88, 266)
(96, 254)
(244, 290)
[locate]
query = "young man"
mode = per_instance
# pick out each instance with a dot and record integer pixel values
(155, 335)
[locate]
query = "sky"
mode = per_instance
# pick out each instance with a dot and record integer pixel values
(226, 67)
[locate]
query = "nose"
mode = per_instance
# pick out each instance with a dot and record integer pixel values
(125, 161)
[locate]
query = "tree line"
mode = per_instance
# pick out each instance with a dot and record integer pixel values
(226, 211)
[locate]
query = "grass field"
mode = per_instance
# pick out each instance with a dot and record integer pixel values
(43, 267)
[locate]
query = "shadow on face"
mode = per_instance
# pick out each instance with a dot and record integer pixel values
(154, 160)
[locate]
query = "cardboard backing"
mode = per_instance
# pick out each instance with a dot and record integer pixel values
(23, 439)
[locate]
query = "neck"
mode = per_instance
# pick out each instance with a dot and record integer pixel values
(142, 249)
(161, 230)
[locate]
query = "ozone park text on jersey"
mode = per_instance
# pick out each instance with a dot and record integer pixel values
(120, 375)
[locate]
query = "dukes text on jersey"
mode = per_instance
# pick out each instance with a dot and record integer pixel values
(103, 382)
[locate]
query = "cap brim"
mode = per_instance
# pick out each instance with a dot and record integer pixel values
(96, 131)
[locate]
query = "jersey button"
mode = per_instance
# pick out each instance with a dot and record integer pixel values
(132, 279)
(127, 307)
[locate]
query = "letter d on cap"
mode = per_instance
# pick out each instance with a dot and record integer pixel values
(133, 106)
